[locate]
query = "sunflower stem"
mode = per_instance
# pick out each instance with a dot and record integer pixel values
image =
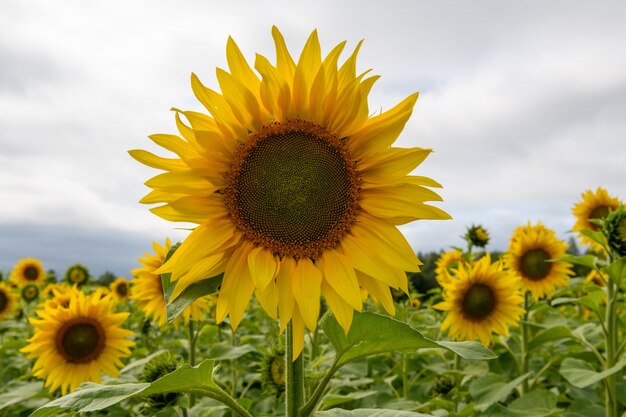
(525, 362)
(192, 356)
(610, 342)
(294, 384)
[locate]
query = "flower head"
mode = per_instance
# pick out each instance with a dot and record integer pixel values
(296, 191)
(594, 206)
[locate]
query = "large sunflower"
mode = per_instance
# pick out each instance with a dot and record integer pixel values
(28, 271)
(594, 206)
(75, 344)
(8, 301)
(483, 300)
(147, 289)
(528, 258)
(296, 190)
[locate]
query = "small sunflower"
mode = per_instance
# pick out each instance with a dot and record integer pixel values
(296, 191)
(147, 289)
(477, 236)
(594, 206)
(75, 344)
(481, 301)
(120, 288)
(30, 292)
(528, 258)
(77, 274)
(7, 301)
(446, 263)
(28, 271)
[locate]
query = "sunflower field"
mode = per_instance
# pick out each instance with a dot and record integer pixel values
(297, 295)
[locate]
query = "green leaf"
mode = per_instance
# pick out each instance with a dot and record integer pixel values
(617, 270)
(592, 300)
(595, 236)
(141, 362)
(220, 353)
(585, 260)
(190, 294)
(549, 335)
(19, 391)
(94, 397)
(491, 389)
(90, 397)
(367, 412)
(332, 400)
(541, 400)
(581, 374)
(373, 333)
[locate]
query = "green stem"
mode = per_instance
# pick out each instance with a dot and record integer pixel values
(294, 384)
(405, 376)
(192, 357)
(233, 368)
(610, 342)
(525, 362)
(457, 369)
(222, 396)
(310, 406)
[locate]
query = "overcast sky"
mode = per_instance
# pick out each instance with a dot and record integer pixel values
(524, 104)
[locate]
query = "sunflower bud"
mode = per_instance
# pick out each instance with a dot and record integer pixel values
(273, 372)
(155, 369)
(77, 274)
(477, 236)
(615, 230)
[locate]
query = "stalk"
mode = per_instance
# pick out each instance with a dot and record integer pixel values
(525, 362)
(294, 384)
(610, 341)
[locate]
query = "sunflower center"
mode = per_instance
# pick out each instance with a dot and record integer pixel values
(4, 301)
(77, 276)
(30, 292)
(31, 273)
(478, 301)
(598, 213)
(293, 188)
(277, 369)
(122, 289)
(80, 340)
(535, 265)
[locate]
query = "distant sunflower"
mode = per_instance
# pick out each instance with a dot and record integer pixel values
(147, 289)
(7, 301)
(483, 300)
(530, 250)
(61, 296)
(594, 277)
(296, 190)
(28, 271)
(120, 288)
(594, 206)
(77, 275)
(477, 235)
(446, 263)
(30, 292)
(75, 344)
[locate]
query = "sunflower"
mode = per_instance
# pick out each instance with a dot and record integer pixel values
(594, 206)
(483, 300)
(528, 258)
(477, 236)
(30, 292)
(61, 296)
(296, 191)
(446, 263)
(120, 288)
(28, 271)
(147, 289)
(77, 274)
(7, 301)
(75, 344)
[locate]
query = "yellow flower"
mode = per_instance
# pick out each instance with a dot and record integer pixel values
(446, 263)
(8, 301)
(296, 190)
(30, 292)
(75, 344)
(28, 271)
(147, 290)
(120, 289)
(483, 300)
(594, 206)
(528, 256)
(594, 277)
(77, 274)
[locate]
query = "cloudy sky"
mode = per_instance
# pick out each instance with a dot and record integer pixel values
(524, 104)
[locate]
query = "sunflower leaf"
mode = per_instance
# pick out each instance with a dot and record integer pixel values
(595, 236)
(617, 270)
(366, 412)
(168, 286)
(196, 290)
(585, 260)
(372, 333)
(581, 374)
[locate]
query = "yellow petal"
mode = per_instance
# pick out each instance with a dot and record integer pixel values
(339, 273)
(378, 290)
(307, 283)
(306, 70)
(151, 160)
(263, 267)
(284, 281)
(342, 311)
(239, 67)
(268, 298)
(391, 165)
(297, 333)
(175, 144)
(243, 103)
(237, 287)
(284, 62)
